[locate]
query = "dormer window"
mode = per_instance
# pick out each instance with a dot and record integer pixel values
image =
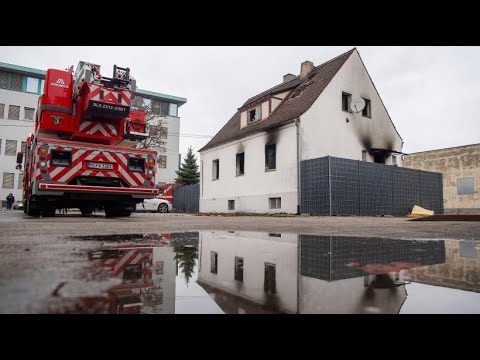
(254, 114)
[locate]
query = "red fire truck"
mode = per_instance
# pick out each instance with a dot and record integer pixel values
(82, 153)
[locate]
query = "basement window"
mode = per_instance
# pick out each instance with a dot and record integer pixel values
(465, 186)
(275, 203)
(240, 164)
(254, 114)
(367, 110)
(270, 157)
(231, 204)
(215, 169)
(346, 100)
(394, 160)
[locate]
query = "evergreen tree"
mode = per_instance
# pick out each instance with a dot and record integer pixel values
(186, 257)
(188, 173)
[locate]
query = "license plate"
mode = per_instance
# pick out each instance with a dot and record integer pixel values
(102, 166)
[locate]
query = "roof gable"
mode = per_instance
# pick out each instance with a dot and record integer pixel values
(303, 94)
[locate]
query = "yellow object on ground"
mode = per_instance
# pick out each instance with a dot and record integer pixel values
(418, 211)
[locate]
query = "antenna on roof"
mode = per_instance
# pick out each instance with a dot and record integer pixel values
(357, 105)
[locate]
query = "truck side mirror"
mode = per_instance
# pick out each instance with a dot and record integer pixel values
(19, 161)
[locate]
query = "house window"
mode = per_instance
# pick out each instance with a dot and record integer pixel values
(364, 155)
(164, 108)
(32, 85)
(162, 161)
(11, 147)
(8, 179)
(465, 186)
(14, 112)
(346, 100)
(24, 144)
(270, 157)
(215, 169)
(0, 146)
(275, 203)
(163, 132)
(231, 204)
(4, 80)
(275, 234)
(367, 111)
(173, 110)
(29, 113)
(240, 163)
(213, 262)
(394, 160)
(16, 82)
(238, 268)
(20, 181)
(2, 111)
(269, 284)
(156, 106)
(254, 114)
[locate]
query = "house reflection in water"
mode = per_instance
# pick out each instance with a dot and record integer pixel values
(249, 272)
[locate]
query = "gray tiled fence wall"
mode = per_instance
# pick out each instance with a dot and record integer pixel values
(332, 257)
(335, 186)
(187, 198)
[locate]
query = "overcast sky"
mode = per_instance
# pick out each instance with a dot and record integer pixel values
(431, 93)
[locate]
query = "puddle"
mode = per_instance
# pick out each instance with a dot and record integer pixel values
(239, 272)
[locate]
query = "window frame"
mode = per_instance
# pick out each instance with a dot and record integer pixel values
(367, 109)
(349, 99)
(216, 176)
(214, 264)
(229, 203)
(274, 145)
(258, 114)
(466, 193)
(237, 270)
(238, 162)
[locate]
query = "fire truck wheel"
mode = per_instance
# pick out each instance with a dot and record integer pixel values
(30, 211)
(86, 211)
(162, 208)
(114, 212)
(48, 212)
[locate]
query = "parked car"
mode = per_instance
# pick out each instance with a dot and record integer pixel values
(18, 206)
(159, 205)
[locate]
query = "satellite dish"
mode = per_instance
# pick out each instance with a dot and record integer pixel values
(357, 105)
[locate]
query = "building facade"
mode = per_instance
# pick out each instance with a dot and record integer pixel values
(460, 168)
(253, 163)
(20, 88)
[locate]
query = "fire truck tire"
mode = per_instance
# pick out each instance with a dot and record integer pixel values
(48, 212)
(30, 211)
(163, 208)
(117, 212)
(86, 211)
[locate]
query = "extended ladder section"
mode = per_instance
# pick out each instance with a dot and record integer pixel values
(89, 107)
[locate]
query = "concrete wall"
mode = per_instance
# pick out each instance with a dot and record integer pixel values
(325, 131)
(256, 249)
(461, 269)
(453, 163)
(252, 190)
(14, 130)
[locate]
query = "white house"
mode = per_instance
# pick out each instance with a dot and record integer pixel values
(253, 163)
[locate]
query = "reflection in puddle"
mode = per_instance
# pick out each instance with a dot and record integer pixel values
(250, 272)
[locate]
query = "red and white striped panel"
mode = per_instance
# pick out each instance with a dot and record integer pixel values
(129, 257)
(98, 128)
(79, 156)
(110, 96)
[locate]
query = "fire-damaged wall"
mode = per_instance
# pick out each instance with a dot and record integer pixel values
(335, 186)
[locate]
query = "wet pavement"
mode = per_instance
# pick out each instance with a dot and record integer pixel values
(245, 272)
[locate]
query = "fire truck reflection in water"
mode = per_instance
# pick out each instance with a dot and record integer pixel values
(141, 268)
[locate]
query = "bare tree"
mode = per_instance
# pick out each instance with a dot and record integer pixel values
(156, 125)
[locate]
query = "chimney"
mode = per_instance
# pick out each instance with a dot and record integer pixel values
(288, 77)
(306, 69)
